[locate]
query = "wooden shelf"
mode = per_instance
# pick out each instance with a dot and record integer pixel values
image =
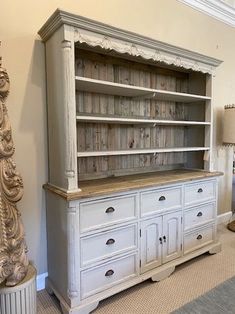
(119, 120)
(110, 88)
(141, 151)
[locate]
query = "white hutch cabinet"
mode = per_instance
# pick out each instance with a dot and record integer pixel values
(131, 192)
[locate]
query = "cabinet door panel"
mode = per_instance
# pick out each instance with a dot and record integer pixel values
(172, 236)
(151, 231)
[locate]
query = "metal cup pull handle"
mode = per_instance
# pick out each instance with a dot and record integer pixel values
(199, 214)
(110, 210)
(110, 241)
(199, 237)
(200, 190)
(162, 198)
(109, 273)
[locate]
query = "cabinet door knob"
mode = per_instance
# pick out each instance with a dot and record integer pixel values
(199, 237)
(162, 198)
(110, 241)
(164, 238)
(200, 190)
(160, 239)
(199, 214)
(109, 273)
(110, 210)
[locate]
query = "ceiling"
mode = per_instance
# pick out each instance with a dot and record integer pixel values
(223, 10)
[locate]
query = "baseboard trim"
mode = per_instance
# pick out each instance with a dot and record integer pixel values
(224, 218)
(41, 281)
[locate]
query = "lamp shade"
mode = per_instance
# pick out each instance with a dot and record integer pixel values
(229, 125)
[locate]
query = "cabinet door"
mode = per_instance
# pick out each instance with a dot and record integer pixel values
(172, 236)
(151, 243)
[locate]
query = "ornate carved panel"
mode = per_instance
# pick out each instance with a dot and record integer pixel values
(13, 258)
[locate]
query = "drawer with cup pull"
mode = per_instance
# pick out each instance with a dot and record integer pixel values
(198, 238)
(107, 211)
(199, 192)
(199, 215)
(109, 243)
(102, 277)
(154, 200)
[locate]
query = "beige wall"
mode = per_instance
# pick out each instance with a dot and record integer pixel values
(23, 56)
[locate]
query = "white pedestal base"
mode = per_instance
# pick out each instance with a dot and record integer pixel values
(20, 299)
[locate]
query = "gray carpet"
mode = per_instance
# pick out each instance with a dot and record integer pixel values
(219, 300)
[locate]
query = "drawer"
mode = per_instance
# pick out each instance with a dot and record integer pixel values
(199, 215)
(199, 192)
(104, 212)
(198, 238)
(106, 244)
(100, 278)
(159, 199)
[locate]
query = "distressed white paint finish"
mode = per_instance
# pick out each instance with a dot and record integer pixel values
(139, 255)
(73, 251)
(111, 88)
(141, 151)
(61, 110)
(154, 122)
(108, 244)
(172, 236)
(198, 215)
(106, 212)
(151, 246)
(199, 192)
(107, 275)
(198, 238)
(95, 34)
(161, 199)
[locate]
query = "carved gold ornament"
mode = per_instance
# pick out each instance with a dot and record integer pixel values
(13, 258)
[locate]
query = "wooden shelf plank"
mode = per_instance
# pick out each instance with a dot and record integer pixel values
(110, 88)
(140, 151)
(119, 120)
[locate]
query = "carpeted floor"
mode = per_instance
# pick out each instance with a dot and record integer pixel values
(188, 282)
(219, 300)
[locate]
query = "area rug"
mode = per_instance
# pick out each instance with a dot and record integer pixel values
(219, 300)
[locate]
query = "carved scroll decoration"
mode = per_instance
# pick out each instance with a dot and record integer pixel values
(138, 50)
(13, 258)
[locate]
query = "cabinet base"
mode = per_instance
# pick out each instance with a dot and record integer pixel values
(84, 309)
(158, 274)
(164, 274)
(216, 248)
(66, 309)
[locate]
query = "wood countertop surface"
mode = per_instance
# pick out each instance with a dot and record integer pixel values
(103, 187)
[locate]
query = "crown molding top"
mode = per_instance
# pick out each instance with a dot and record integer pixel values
(97, 34)
(215, 8)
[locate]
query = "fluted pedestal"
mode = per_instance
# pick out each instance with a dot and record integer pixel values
(20, 299)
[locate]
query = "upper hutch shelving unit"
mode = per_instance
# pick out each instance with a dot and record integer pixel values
(121, 103)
